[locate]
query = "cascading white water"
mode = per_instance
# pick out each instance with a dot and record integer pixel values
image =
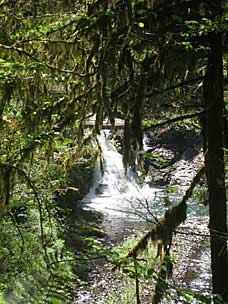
(114, 193)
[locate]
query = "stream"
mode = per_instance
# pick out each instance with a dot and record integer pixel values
(129, 209)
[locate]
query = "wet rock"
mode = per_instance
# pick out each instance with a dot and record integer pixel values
(176, 156)
(79, 181)
(101, 188)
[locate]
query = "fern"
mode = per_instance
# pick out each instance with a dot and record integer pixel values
(51, 284)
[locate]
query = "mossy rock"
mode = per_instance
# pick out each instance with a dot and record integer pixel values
(79, 181)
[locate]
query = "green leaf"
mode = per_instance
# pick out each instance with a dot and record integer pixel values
(150, 271)
(174, 189)
(141, 24)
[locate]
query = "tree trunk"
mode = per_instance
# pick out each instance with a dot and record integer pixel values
(215, 166)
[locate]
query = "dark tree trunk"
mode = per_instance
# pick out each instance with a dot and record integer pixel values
(215, 166)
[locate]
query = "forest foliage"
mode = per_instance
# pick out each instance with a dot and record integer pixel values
(61, 63)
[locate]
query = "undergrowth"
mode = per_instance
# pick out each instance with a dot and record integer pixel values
(37, 262)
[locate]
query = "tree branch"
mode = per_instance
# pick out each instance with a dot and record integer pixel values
(44, 41)
(173, 120)
(41, 16)
(24, 52)
(178, 85)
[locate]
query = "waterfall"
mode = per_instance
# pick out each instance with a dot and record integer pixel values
(114, 193)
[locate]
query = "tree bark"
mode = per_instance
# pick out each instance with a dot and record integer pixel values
(215, 166)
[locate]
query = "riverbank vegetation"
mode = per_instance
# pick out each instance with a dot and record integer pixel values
(152, 63)
(41, 258)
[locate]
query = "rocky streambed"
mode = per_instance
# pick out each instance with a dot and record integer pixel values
(190, 251)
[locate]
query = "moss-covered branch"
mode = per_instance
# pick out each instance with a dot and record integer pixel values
(167, 225)
(21, 51)
(173, 120)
